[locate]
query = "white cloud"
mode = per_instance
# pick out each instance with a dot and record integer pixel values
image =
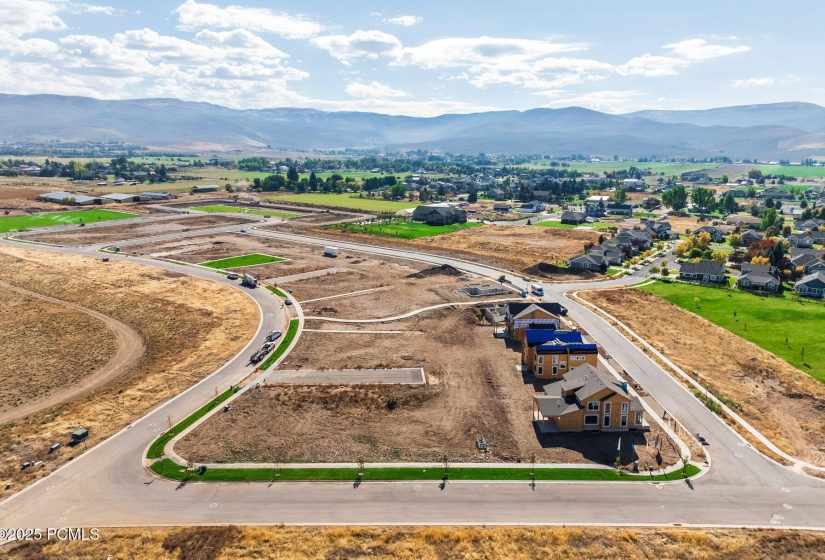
(429, 108)
(361, 44)
(83, 8)
(193, 16)
(699, 49)
(651, 65)
(406, 21)
(374, 90)
(25, 17)
(457, 51)
(751, 82)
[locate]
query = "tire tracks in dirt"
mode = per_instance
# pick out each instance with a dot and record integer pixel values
(130, 348)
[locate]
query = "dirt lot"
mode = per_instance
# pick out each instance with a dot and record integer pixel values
(474, 389)
(432, 543)
(113, 232)
(516, 247)
(30, 328)
(186, 338)
(785, 404)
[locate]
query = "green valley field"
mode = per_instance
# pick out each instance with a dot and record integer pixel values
(242, 260)
(344, 201)
(766, 321)
(21, 223)
(403, 229)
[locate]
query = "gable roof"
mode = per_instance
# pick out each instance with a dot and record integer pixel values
(814, 280)
(516, 308)
(580, 216)
(704, 266)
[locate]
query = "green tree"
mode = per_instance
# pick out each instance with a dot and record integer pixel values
(313, 182)
(676, 198)
(620, 196)
(736, 241)
(730, 204)
(703, 199)
(769, 203)
(292, 174)
(769, 218)
(472, 196)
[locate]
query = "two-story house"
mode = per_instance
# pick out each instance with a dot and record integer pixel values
(763, 277)
(549, 354)
(716, 235)
(588, 400)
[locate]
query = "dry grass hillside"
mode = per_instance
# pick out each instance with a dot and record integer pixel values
(435, 543)
(190, 327)
(785, 404)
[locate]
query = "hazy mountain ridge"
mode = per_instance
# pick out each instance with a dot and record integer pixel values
(790, 130)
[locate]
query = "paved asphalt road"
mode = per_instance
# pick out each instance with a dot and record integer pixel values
(109, 486)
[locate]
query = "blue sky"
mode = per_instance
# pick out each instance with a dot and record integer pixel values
(417, 58)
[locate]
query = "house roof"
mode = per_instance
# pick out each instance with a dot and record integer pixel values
(59, 196)
(815, 280)
(704, 266)
(515, 309)
(616, 206)
(758, 269)
(754, 234)
(581, 216)
(119, 196)
(590, 258)
(585, 381)
(543, 336)
(557, 406)
(759, 278)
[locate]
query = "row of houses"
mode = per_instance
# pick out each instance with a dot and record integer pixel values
(626, 244)
(579, 397)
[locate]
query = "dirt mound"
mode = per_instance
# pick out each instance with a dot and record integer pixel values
(444, 269)
(547, 270)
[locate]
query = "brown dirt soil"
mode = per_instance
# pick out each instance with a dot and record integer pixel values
(431, 543)
(474, 389)
(114, 232)
(190, 327)
(785, 404)
(516, 247)
(98, 349)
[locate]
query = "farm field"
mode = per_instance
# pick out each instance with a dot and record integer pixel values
(238, 210)
(20, 223)
(404, 229)
(765, 321)
(242, 260)
(344, 201)
(779, 400)
(600, 167)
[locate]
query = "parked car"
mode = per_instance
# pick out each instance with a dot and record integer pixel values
(288, 301)
(232, 276)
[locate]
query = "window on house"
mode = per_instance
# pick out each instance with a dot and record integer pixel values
(555, 359)
(607, 421)
(563, 365)
(591, 420)
(541, 359)
(625, 407)
(608, 407)
(540, 371)
(623, 421)
(593, 406)
(639, 417)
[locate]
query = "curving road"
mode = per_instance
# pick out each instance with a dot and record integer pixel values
(109, 486)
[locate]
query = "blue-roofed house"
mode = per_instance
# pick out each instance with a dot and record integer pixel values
(549, 354)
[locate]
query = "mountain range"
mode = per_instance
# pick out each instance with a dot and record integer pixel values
(769, 131)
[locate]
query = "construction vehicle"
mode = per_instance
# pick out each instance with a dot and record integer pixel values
(249, 281)
(259, 355)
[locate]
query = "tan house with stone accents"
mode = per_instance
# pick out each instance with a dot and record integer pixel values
(588, 400)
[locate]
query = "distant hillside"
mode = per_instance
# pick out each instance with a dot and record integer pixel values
(790, 130)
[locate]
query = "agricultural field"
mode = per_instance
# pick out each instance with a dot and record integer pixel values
(403, 229)
(215, 208)
(779, 400)
(764, 320)
(252, 259)
(22, 223)
(656, 167)
(343, 201)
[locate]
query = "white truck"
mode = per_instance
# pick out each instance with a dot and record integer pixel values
(537, 289)
(331, 251)
(249, 281)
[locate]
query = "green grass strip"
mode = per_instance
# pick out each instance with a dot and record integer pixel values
(156, 449)
(251, 259)
(285, 342)
(172, 470)
(277, 292)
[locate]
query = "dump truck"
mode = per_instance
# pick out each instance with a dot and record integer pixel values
(331, 251)
(249, 281)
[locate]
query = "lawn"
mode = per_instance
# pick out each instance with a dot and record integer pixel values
(282, 347)
(344, 201)
(172, 470)
(403, 229)
(239, 210)
(22, 223)
(277, 292)
(242, 260)
(765, 321)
